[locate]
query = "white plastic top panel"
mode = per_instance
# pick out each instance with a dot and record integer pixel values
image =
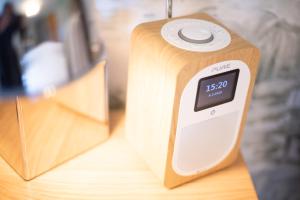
(196, 35)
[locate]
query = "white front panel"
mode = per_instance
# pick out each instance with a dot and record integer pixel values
(206, 137)
(210, 137)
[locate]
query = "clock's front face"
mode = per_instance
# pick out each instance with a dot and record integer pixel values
(209, 117)
(216, 90)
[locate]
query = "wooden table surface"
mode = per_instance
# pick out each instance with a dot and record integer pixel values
(113, 170)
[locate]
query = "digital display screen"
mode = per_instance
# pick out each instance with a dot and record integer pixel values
(217, 89)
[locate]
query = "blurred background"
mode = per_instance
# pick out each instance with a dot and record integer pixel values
(271, 145)
(45, 44)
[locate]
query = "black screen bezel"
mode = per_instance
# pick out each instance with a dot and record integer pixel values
(236, 71)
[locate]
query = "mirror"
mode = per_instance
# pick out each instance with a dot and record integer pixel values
(46, 44)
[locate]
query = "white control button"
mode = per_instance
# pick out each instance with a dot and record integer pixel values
(213, 112)
(196, 35)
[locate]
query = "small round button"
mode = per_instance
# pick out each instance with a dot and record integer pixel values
(196, 35)
(212, 112)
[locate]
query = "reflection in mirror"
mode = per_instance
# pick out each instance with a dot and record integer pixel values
(45, 44)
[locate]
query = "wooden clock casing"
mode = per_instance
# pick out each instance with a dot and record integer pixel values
(159, 72)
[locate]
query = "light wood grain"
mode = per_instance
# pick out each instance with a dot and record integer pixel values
(42, 132)
(88, 95)
(114, 170)
(158, 72)
(11, 148)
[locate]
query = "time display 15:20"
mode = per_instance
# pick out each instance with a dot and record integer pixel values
(216, 89)
(215, 86)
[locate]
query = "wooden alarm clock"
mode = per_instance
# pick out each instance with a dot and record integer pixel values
(189, 88)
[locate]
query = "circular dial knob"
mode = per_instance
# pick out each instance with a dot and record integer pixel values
(196, 35)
